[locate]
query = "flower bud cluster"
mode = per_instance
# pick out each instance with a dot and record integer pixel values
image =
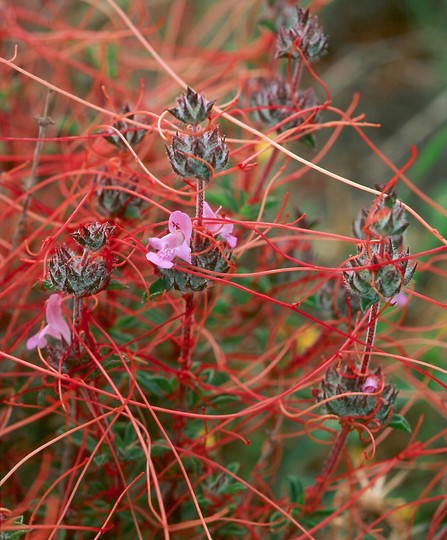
(131, 133)
(211, 258)
(385, 219)
(378, 275)
(278, 101)
(278, 105)
(192, 108)
(335, 302)
(305, 35)
(198, 156)
(340, 390)
(87, 273)
(94, 236)
(112, 200)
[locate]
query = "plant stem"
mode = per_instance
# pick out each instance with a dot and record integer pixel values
(200, 199)
(77, 320)
(43, 121)
(187, 342)
(372, 324)
(317, 490)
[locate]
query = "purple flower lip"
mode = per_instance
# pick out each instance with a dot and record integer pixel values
(215, 228)
(57, 326)
(174, 244)
(370, 386)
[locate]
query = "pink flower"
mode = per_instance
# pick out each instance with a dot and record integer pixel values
(224, 230)
(57, 326)
(371, 385)
(401, 299)
(174, 244)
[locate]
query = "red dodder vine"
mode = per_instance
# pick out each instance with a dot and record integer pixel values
(193, 343)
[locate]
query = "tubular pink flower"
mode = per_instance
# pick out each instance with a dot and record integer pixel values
(57, 326)
(224, 230)
(370, 386)
(174, 244)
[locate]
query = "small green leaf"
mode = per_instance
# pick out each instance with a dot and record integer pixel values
(46, 285)
(157, 288)
(296, 490)
(224, 398)
(400, 423)
(115, 285)
(311, 301)
(112, 60)
(309, 140)
(366, 303)
(267, 24)
(233, 467)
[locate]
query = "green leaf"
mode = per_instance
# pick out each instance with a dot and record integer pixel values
(224, 398)
(111, 52)
(234, 467)
(157, 288)
(115, 285)
(9, 535)
(46, 285)
(366, 303)
(296, 490)
(270, 25)
(309, 140)
(157, 385)
(400, 423)
(311, 302)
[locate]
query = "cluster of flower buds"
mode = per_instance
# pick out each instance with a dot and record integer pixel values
(94, 236)
(112, 199)
(192, 108)
(198, 156)
(378, 272)
(87, 273)
(277, 14)
(277, 105)
(303, 35)
(357, 398)
(385, 219)
(210, 258)
(77, 274)
(335, 302)
(133, 134)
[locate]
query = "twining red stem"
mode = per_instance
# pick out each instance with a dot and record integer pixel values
(265, 173)
(187, 341)
(316, 492)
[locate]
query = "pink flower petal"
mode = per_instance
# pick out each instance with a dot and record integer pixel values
(57, 325)
(38, 340)
(174, 244)
(222, 229)
(184, 252)
(179, 221)
(371, 385)
(162, 262)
